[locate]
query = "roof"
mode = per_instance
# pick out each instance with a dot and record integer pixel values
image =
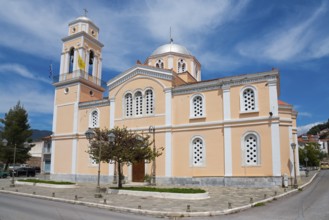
(174, 48)
(282, 103)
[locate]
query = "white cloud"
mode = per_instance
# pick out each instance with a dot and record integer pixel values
(304, 114)
(30, 93)
(32, 27)
(206, 15)
(14, 68)
(215, 61)
(126, 31)
(295, 40)
(305, 128)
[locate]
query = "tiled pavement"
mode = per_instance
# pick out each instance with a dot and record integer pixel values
(220, 197)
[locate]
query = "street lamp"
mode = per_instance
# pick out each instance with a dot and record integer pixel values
(152, 130)
(90, 134)
(111, 137)
(4, 142)
(293, 146)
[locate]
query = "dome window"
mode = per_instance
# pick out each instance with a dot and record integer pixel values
(181, 66)
(159, 64)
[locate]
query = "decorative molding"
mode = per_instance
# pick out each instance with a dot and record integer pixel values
(94, 104)
(143, 70)
(82, 34)
(221, 83)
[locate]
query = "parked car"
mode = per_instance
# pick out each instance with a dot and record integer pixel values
(23, 171)
(324, 165)
(3, 174)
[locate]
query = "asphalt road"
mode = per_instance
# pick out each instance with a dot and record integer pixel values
(14, 207)
(310, 204)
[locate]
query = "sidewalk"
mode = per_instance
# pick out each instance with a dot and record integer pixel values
(218, 203)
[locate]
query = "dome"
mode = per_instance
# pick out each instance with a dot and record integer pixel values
(175, 48)
(83, 18)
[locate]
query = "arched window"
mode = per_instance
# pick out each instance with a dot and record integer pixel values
(197, 108)
(251, 150)
(94, 119)
(138, 103)
(149, 102)
(128, 105)
(159, 64)
(181, 66)
(248, 99)
(71, 61)
(198, 152)
(91, 62)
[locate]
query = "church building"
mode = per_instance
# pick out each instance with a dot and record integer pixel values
(225, 131)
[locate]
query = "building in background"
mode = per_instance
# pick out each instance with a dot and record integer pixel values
(226, 131)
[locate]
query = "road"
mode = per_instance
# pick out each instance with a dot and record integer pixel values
(14, 207)
(309, 204)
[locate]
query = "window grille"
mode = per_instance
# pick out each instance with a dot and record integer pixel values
(249, 100)
(149, 102)
(138, 103)
(198, 152)
(197, 106)
(129, 105)
(251, 150)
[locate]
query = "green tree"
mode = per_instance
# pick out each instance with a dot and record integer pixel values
(127, 148)
(312, 152)
(317, 128)
(16, 132)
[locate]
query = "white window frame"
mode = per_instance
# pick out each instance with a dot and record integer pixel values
(125, 107)
(242, 110)
(153, 102)
(192, 106)
(203, 163)
(182, 62)
(160, 63)
(91, 118)
(243, 149)
(141, 107)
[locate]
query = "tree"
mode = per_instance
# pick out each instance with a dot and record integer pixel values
(127, 148)
(317, 128)
(312, 152)
(16, 131)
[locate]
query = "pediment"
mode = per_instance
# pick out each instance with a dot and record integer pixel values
(140, 70)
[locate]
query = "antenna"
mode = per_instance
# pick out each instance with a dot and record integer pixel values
(171, 39)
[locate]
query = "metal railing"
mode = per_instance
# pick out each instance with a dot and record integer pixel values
(76, 75)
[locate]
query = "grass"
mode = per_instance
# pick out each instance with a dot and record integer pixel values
(46, 181)
(167, 190)
(259, 204)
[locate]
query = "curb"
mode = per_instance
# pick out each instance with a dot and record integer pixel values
(163, 213)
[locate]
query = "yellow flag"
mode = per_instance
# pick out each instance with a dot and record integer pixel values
(81, 63)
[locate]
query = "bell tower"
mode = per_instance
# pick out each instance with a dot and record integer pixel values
(79, 81)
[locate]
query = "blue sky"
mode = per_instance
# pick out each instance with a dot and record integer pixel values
(227, 37)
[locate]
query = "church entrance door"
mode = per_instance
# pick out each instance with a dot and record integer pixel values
(138, 171)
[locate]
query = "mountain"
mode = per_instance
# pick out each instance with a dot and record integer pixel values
(38, 134)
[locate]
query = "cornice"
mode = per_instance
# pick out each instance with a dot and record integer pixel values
(82, 34)
(96, 103)
(226, 82)
(142, 70)
(77, 80)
